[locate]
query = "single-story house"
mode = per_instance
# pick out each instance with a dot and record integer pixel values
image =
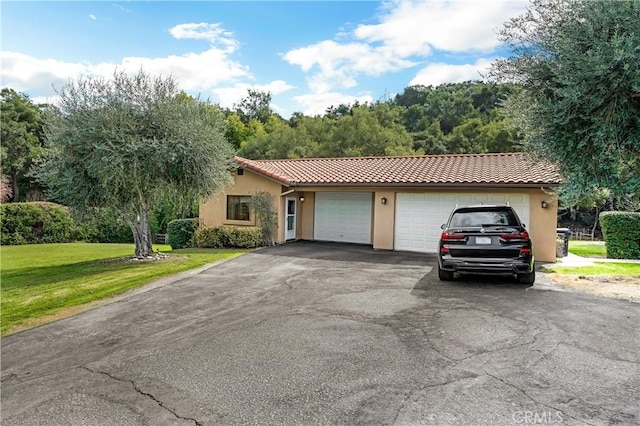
(391, 203)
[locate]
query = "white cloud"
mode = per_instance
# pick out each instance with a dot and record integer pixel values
(228, 96)
(317, 103)
(439, 73)
(339, 63)
(407, 32)
(27, 73)
(414, 27)
(213, 33)
(122, 8)
(93, 17)
(194, 71)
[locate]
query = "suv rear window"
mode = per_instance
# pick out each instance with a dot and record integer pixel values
(471, 217)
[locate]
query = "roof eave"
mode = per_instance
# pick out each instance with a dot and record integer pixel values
(248, 164)
(434, 185)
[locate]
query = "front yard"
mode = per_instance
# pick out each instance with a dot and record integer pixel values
(588, 248)
(605, 279)
(45, 282)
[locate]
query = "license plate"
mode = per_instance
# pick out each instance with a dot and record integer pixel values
(483, 240)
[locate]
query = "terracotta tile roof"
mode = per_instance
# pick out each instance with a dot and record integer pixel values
(428, 170)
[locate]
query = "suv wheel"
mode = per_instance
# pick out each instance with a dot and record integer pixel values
(527, 278)
(445, 275)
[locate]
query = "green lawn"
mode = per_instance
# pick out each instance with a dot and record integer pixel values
(599, 268)
(44, 280)
(588, 248)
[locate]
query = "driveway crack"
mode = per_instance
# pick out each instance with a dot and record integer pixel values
(523, 392)
(141, 392)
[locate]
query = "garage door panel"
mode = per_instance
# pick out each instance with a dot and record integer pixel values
(343, 217)
(419, 216)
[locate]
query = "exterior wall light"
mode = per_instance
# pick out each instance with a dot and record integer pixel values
(544, 204)
(301, 199)
(383, 200)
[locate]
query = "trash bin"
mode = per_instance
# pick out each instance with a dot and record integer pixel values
(564, 234)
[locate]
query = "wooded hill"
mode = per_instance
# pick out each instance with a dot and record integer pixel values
(450, 118)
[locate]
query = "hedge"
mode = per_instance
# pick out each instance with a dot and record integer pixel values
(228, 237)
(180, 232)
(102, 225)
(35, 223)
(621, 233)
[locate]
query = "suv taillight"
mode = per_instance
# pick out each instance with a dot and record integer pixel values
(447, 236)
(521, 236)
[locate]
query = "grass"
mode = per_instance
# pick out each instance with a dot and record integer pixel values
(44, 280)
(599, 268)
(588, 248)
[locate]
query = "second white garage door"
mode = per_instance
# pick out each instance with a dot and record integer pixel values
(419, 216)
(343, 217)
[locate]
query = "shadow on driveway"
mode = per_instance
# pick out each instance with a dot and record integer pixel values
(348, 252)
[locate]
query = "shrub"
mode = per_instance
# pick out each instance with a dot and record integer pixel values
(262, 203)
(209, 237)
(243, 237)
(180, 232)
(228, 236)
(621, 232)
(35, 223)
(102, 225)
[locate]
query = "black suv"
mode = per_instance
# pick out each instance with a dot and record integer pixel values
(485, 239)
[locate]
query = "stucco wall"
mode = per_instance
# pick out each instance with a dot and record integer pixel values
(384, 219)
(543, 224)
(305, 216)
(213, 211)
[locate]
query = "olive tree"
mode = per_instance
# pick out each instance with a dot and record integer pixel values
(578, 62)
(131, 142)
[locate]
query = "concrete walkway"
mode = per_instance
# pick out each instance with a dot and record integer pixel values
(575, 260)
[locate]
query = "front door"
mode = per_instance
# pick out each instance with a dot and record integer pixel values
(290, 219)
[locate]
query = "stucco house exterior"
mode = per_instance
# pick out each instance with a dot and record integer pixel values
(390, 203)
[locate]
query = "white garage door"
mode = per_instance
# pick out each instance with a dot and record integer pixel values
(419, 216)
(343, 217)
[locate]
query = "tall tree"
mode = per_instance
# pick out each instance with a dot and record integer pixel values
(579, 64)
(21, 135)
(256, 106)
(362, 134)
(132, 142)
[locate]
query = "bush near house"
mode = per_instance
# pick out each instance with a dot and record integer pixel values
(35, 223)
(621, 231)
(180, 232)
(228, 237)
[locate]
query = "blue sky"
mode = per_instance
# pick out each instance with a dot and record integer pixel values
(309, 55)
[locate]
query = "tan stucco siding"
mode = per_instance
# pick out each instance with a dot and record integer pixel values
(305, 217)
(213, 211)
(384, 219)
(542, 226)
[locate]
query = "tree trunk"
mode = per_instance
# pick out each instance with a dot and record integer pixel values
(595, 224)
(141, 229)
(14, 186)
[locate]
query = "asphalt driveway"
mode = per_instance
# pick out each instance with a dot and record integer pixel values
(310, 333)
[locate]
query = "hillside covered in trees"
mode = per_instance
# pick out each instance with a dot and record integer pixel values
(450, 118)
